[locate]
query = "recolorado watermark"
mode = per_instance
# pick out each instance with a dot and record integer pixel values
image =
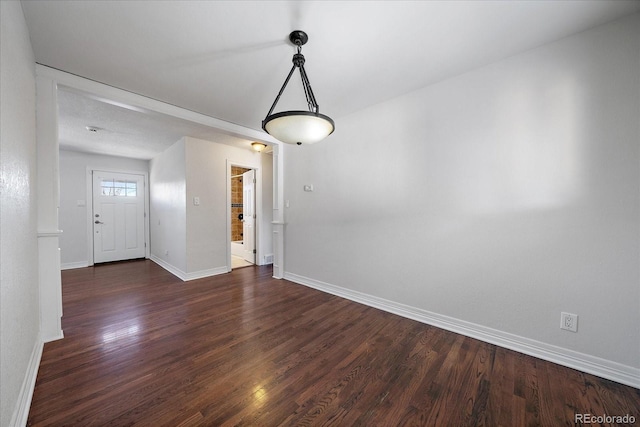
(603, 419)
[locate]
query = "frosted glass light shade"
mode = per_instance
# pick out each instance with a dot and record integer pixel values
(258, 146)
(295, 127)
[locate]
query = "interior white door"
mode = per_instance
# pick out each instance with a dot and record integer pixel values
(249, 216)
(118, 216)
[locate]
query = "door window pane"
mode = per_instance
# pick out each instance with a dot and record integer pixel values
(117, 187)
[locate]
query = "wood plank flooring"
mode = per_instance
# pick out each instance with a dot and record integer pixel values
(242, 349)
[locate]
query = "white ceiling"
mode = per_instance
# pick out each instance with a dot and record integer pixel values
(228, 59)
(124, 130)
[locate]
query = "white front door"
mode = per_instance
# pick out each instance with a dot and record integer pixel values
(248, 216)
(118, 216)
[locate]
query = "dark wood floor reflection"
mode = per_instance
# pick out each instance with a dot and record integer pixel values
(143, 348)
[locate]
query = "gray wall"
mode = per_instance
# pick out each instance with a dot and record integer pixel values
(168, 212)
(73, 189)
(207, 238)
(499, 197)
(19, 300)
(266, 230)
(196, 236)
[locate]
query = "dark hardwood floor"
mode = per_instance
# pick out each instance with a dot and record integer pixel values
(143, 348)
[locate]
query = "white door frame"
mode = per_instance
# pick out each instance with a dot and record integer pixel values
(89, 183)
(258, 210)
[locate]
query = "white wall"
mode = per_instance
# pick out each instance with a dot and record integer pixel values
(168, 215)
(20, 342)
(73, 189)
(500, 198)
(197, 237)
(207, 178)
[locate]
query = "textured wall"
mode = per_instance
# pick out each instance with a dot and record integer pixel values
(19, 308)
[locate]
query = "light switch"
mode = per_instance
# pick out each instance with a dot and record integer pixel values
(308, 187)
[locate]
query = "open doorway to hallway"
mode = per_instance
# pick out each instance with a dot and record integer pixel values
(243, 217)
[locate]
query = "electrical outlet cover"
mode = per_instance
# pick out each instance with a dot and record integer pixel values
(569, 322)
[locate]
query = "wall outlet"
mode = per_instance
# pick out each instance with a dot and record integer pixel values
(569, 322)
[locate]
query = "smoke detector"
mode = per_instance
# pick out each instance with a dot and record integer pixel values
(93, 129)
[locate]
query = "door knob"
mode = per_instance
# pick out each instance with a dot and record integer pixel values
(98, 222)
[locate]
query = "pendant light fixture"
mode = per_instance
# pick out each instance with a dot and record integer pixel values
(298, 127)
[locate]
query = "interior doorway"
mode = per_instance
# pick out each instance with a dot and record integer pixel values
(243, 217)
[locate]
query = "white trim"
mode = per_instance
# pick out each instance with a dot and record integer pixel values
(184, 276)
(21, 410)
(278, 223)
(258, 208)
(88, 182)
(207, 273)
(278, 249)
(73, 265)
(55, 337)
(48, 203)
(170, 268)
(608, 369)
(50, 286)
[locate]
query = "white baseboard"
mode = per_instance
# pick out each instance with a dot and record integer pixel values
(207, 273)
(170, 268)
(583, 362)
(58, 336)
(184, 276)
(21, 411)
(72, 265)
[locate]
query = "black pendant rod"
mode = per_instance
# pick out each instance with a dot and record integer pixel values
(298, 38)
(281, 90)
(311, 99)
